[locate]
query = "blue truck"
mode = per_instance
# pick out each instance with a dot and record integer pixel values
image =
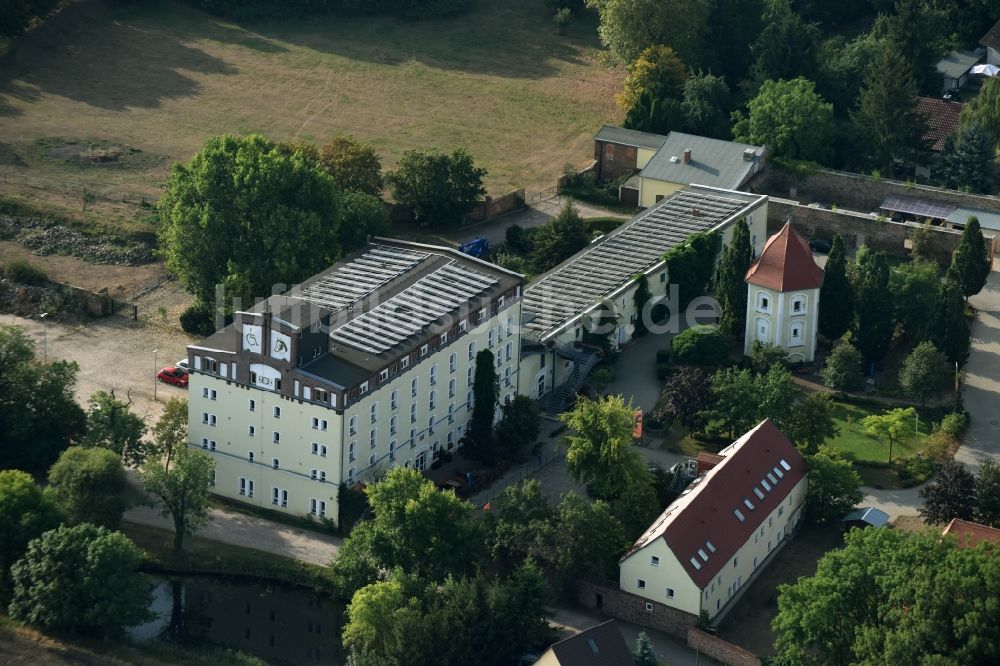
(477, 247)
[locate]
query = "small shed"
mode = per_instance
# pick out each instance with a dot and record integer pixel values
(866, 516)
(954, 69)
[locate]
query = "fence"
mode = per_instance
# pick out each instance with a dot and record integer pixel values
(87, 193)
(537, 197)
(515, 476)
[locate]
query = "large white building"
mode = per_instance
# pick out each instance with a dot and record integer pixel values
(723, 529)
(559, 305)
(366, 365)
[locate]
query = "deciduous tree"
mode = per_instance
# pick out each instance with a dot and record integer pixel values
(914, 287)
(686, 397)
(82, 579)
(790, 118)
(439, 188)
(836, 296)
(703, 345)
(520, 423)
(640, 297)
(811, 422)
(925, 373)
(951, 494)
(707, 103)
(629, 26)
(25, 512)
(584, 540)
(730, 286)
(353, 165)
(112, 425)
(88, 485)
(764, 355)
(834, 486)
(890, 425)
(842, 371)
(657, 70)
(988, 494)
(517, 521)
(599, 446)
(558, 239)
(181, 486)
(984, 110)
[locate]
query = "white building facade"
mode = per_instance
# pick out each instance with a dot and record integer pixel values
(366, 366)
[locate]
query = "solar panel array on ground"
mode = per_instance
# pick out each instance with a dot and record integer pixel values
(413, 309)
(572, 287)
(361, 276)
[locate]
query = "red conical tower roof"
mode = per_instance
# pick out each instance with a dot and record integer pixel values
(786, 264)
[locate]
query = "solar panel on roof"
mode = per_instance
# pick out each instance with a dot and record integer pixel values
(361, 276)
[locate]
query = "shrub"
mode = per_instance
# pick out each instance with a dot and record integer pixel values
(954, 424)
(23, 272)
(198, 319)
(914, 471)
(602, 225)
(701, 345)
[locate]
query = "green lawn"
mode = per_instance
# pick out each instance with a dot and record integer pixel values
(853, 441)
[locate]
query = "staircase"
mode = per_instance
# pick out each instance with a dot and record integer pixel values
(563, 395)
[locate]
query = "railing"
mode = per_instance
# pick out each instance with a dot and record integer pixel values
(537, 197)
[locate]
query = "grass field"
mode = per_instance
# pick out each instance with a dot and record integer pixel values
(142, 86)
(862, 447)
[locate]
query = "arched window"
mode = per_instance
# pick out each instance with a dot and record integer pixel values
(762, 330)
(763, 302)
(796, 337)
(798, 305)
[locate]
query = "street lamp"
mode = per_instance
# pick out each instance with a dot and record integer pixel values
(154, 373)
(45, 337)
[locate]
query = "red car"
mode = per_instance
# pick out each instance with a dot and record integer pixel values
(172, 375)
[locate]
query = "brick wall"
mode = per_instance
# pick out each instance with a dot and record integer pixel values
(720, 650)
(856, 191)
(859, 229)
(632, 608)
(621, 159)
(496, 206)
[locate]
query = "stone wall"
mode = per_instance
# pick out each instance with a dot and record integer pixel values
(856, 191)
(860, 229)
(632, 608)
(720, 650)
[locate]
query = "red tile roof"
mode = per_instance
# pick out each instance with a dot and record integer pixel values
(969, 534)
(707, 461)
(704, 513)
(941, 118)
(786, 264)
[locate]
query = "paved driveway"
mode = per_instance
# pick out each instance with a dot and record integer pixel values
(982, 379)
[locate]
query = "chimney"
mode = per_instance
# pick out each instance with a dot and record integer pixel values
(749, 155)
(687, 156)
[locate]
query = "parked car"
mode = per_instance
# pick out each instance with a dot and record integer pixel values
(173, 375)
(820, 245)
(182, 365)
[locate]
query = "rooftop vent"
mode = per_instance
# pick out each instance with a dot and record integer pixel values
(749, 155)
(674, 159)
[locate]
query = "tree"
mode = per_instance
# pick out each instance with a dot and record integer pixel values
(891, 425)
(517, 521)
(354, 166)
(583, 540)
(520, 423)
(743, 399)
(925, 373)
(702, 345)
(914, 287)
(629, 26)
(732, 27)
(558, 239)
(170, 432)
(730, 286)
(891, 597)
(241, 199)
(181, 485)
(25, 512)
(38, 408)
(949, 328)
(919, 30)
(111, 425)
(599, 447)
(788, 46)
(439, 188)
(842, 371)
(764, 355)
(969, 161)
(691, 265)
(643, 653)
(836, 296)
(657, 71)
(364, 216)
(971, 262)
(640, 297)
(706, 105)
(886, 120)
(923, 243)
(834, 486)
(875, 325)
(984, 110)
(686, 397)
(811, 422)
(950, 495)
(843, 67)
(657, 115)
(82, 579)
(988, 494)
(790, 118)
(485, 393)
(88, 485)
(519, 608)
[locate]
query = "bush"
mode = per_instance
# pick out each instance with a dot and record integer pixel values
(954, 424)
(602, 225)
(914, 471)
(702, 346)
(23, 272)
(198, 319)
(586, 187)
(60, 301)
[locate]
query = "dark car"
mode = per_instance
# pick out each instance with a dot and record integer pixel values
(173, 375)
(820, 245)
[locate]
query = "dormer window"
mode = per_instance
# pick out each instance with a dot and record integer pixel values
(423, 350)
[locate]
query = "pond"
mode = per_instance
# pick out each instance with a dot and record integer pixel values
(277, 623)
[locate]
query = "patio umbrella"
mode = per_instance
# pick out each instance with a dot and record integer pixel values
(988, 70)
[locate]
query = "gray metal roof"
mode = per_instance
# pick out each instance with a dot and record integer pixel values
(988, 219)
(580, 282)
(957, 63)
(714, 162)
(869, 514)
(627, 137)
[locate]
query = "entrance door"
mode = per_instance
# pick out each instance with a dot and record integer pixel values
(541, 385)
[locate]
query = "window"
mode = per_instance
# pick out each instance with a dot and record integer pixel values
(371, 460)
(649, 607)
(510, 325)
(784, 463)
(451, 413)
(777, 471)
(251, 431)
(663, 277)
(799, 305)
(763, 303)
(374, 412)
(767, 486)
(796, 338)
(640, 583)
(430, 401)
(383, 374)
(463, 325)
(351, 448)
(748, 504)
(763, 329)
(404, 362)
(609, 152)
(276, 412)
(452, 362)
(739, 515)
(413, 413)
(392, 450)
(444, 338)
(372, 436)
(694, 562)
(394, 399)
(276, 437)
(279, 496)
(392, 425)
(275, 463)
(253, 405)
(430, 426)
(353, 426)
(317, 507)
(322, 451)
(434, 374)
(423, 350)
(469, 375)
(413, 387)
(451, 387)
(670, 593)
(654, 561)
(758, 492)
(489, 342)
(315, 449)
(350, 475)
(243, 486)
(320, 395)
(322, 424)
(510, 350)
(211, 445)
(472, 350)
(710, 546)
(772, 478)
(363, 388)
(212, 481)
(702, 554)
